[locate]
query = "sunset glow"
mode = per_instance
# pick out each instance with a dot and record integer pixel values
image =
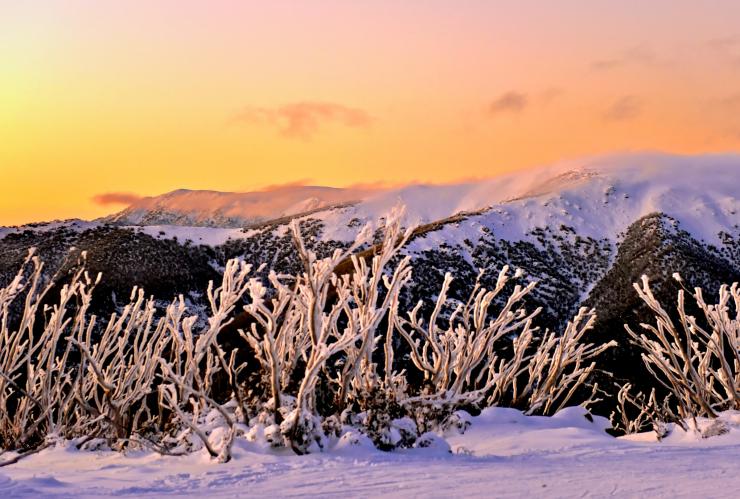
(144, 97)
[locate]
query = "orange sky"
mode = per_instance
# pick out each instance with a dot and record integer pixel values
(148, 96)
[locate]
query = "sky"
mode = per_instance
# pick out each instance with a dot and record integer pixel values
(103, 101)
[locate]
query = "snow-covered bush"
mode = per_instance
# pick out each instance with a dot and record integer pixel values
(461, 361)
(695, 359)
(637, 412)
(322, 341)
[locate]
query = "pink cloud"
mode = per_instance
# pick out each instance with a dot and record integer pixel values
(510, 102)
(625, 108)
(124, 198)
(302, 120)
(640, 54)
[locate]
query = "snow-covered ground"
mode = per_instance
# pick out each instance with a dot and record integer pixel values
(210, 236)
(73, 224)
(502, 454)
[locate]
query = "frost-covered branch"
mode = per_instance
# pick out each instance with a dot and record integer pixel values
(697, 360)
(462, 363)
(450, 356)
(324, 342)
(559, 366)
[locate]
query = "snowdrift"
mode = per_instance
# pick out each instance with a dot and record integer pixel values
(502, 453)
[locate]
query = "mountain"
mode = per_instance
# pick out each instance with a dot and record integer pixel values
(231, 209)
(569, 218)
(585, 230)
(564, 223)
(598, 197)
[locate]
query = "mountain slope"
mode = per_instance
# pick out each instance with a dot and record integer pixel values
(231, 209)
(655, 246)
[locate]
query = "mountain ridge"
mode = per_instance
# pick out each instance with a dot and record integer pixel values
(601, 195)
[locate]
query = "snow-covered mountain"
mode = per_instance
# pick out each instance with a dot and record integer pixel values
(597, 197)
(565, 223)
(232, 209)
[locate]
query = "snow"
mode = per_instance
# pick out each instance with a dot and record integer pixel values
(209, 236)
(598, 197)
(503, 454)
(73, 224)
(232, 209)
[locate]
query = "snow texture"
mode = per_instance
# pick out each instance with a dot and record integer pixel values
(502, 454)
